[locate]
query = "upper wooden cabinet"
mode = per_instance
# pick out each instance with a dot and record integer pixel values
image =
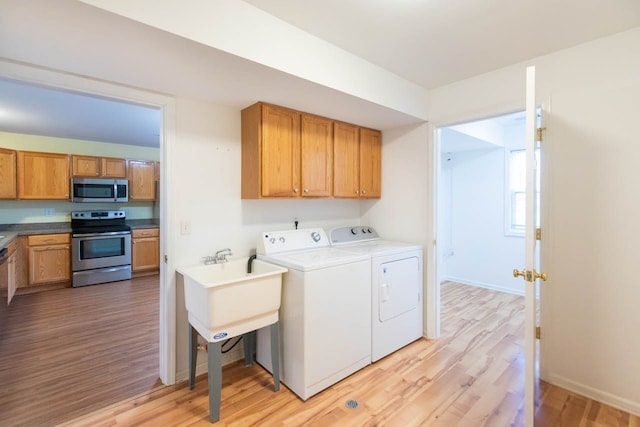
(370, 163)
(90, 166)
(142, 179)
(270, 152)
(287, 153)
(357, 159)
(8, 184)
(43, 176)
(316, 151)
(346, 159)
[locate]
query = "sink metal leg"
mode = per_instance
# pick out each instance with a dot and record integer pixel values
(249, 346)
(193, 355)
(215, 379)
(275, 355)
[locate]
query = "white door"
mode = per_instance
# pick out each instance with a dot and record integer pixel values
(530, 272)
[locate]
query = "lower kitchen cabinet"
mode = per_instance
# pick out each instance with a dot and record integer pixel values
(49, 258)
(145, 250)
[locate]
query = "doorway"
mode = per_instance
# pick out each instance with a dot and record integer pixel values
(480, 200)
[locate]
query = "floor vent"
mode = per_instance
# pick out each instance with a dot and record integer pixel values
(352, 404)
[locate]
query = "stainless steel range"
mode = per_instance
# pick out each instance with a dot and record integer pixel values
(101, 247)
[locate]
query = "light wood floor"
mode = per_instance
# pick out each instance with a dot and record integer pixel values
(70, 351)
(473, 376)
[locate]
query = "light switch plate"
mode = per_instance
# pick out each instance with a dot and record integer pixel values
(185, 227)
(48, 211)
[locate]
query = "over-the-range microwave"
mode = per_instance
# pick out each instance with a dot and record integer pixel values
(99, 190)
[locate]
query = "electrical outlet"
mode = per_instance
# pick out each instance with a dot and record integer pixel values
(48, 211)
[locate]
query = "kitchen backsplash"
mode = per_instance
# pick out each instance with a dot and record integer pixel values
(23, 212)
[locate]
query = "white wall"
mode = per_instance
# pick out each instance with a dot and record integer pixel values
(205, 190)
(590, 212)
(479, 253)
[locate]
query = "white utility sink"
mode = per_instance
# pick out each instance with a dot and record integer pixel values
(224, 301)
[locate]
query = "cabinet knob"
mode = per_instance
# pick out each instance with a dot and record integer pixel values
(306, 190)
(364, 191)
(295, 190)
(356, 191)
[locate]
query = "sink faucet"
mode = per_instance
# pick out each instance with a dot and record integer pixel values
(220, 256)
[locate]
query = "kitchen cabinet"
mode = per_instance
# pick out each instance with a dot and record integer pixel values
(142, 179)
(8, 184)
(49, 258)
(43, 176)
(270, 152)
(316, 152)
(8, 278)
(357, 161)
(104, 167)
(370, 163)
(145, 250)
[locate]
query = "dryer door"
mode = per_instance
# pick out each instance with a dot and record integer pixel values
(398, 287)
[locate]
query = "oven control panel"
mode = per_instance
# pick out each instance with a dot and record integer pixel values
(97, 214)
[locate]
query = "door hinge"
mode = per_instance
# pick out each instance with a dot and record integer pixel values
(166, 259)
(539, 132)
(537, 332)
(538, 234)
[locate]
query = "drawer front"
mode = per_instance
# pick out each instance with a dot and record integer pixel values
(145, 232)
(49, 239)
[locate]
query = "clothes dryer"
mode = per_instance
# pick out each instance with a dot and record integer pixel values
(396, 287)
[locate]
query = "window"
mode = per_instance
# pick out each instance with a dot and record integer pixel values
(516, 196)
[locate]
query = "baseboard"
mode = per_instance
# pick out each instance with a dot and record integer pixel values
(483, 285)
(595, 394)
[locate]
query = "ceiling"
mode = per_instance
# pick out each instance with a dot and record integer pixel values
(432, 43)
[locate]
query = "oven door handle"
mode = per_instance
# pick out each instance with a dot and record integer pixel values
(110, 233)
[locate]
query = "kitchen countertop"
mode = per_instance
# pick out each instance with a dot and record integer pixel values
(11, 231)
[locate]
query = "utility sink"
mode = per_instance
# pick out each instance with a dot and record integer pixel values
(225, 301)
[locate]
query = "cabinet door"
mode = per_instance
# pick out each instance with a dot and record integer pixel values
(346, 160)
(49, 264)
(316, 151)
(113, 168)
(370, 163)
(87, 166)
(43, 176)
(280, 152)
(145, 253)
(141, 180)
(8, 188)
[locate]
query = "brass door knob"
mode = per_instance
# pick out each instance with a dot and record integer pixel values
(541, 276)
(517, 273)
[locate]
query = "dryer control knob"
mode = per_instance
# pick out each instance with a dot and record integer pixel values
(353, 231)
(315, 236)
(272, 240)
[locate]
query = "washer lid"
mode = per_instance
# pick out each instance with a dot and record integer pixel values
(314, 259)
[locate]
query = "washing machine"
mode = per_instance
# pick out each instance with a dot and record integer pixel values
(325, 326)
(396, 286)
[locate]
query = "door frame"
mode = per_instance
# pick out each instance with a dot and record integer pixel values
(64, 81)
